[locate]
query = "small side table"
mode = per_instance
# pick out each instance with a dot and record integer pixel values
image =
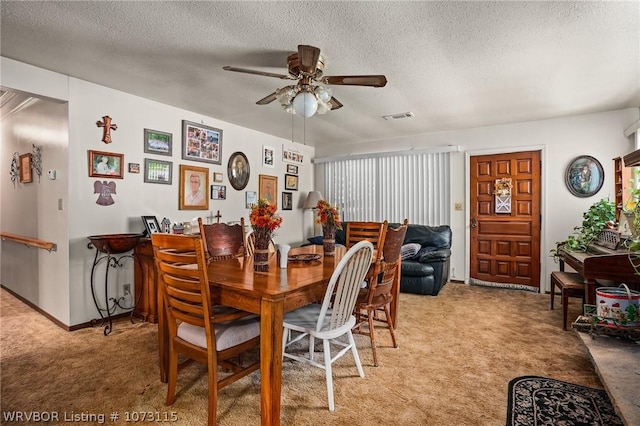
(107, 246)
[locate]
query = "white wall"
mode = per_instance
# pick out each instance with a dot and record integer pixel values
(600, 135)
(31, 209)
(87, 104)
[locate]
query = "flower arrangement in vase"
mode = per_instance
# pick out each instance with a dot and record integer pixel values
(264, 221)
(329, 218)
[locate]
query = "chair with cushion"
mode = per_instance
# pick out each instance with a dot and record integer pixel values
(333, 318)
(223, 241)
(379, 293)
(215, 335)
(570, 284)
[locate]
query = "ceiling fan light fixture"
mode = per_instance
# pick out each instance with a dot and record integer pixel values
(305, 104)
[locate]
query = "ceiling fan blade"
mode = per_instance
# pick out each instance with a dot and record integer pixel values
(335, 104)
(267, 99)
(308, 57)
(266, 74)
(356, 80)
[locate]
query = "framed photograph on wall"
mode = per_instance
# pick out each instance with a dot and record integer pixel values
(291, 156)
(218, 192)
(194, 182)
(156, 142)
(584, 176)
(134, 167)
(26, 174)
(268, 155)
(238, 170)
(201, 143)
(293, 169)
(217, 177)
(250, 198)
(106, 164)
(291, 182)
(268, 189)
(287, 201)
(158, 171)
(151, 224)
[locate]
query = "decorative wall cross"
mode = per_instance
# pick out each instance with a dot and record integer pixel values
(107, 127)
(212, 216)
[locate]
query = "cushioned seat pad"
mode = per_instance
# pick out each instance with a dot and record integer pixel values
(227, 333)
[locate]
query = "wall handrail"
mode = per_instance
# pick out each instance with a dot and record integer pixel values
(29, 242)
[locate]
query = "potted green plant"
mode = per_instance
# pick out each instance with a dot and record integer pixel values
(600, 215)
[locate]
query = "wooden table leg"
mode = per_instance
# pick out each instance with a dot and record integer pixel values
(590, 292)
(271, 330)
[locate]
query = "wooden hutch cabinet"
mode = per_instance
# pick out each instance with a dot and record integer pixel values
(146, 282)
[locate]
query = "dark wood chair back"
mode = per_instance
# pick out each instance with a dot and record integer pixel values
(223, 241)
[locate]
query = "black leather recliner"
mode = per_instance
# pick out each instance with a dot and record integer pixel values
(428, 272)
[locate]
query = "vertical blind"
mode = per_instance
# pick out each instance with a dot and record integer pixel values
(393, 187)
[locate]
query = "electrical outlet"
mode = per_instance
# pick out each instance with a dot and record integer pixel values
(127, 289)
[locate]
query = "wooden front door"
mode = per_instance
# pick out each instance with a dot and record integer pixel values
(505, 236)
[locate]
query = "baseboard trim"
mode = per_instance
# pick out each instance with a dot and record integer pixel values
(54, 319)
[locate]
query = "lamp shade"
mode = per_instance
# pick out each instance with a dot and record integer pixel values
(305, 104)
(312, 200)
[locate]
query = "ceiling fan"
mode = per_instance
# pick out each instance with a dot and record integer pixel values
(307, 97)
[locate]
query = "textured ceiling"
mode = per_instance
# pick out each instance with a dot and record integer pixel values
(453, 64)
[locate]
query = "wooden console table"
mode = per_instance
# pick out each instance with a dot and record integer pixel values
(146, 281)
(617, 363)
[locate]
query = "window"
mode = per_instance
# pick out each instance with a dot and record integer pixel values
(391, 186)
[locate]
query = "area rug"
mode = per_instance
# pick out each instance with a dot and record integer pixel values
(535, 401)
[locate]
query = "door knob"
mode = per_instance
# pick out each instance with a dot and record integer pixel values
(474, 223)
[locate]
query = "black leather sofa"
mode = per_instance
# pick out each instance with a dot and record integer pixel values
(428, 272)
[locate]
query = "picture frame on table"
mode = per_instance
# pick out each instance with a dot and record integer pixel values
(26, 171)
(287, 201)
(194, 183)
(292, 169)
(151, 225)
(218, 192)
(268, 155)
(584, 176)
(268, 189)
(201, 143)
(250, 198)
(238, 170)
(157, 142)
(291, 182)
(158, 171)
(106, 164)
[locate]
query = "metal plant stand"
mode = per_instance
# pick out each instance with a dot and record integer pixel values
(106, 247)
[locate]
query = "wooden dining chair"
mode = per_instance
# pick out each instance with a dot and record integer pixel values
(333, 318)
(375, 233)
(379, 293)
(215, 335)
(223, 241)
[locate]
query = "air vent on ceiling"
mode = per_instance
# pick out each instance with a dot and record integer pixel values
(398, 116)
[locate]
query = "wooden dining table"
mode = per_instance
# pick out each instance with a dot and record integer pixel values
(269, 294)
